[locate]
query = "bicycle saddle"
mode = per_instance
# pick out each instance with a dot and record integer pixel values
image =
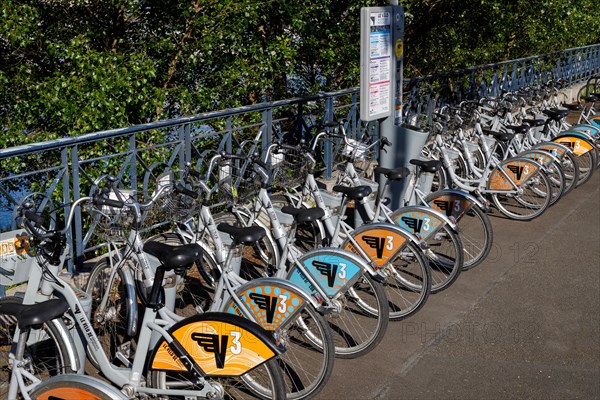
(502, 136)
(34, 315)
(243, 234)
(518, 128)
(354, 193)
(393, 174)
(427, 166)
(304, 214)
(556, 114)
(172, 257)
(572, 107)
(534, 122)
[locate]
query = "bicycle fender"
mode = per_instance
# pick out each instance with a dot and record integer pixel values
(555, 148)
(453, 203)
(579, 144)
(333, 270)
(543, 157)
(272, 302)
(519, 169)
(590, 130)
(421, 221)
(220, 344)
(380, 242)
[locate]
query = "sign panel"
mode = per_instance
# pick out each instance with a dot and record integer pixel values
(376, 50)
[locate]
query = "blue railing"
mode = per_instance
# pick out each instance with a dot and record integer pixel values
(66, 169)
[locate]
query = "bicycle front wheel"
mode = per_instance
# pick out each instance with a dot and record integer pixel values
(46, 355)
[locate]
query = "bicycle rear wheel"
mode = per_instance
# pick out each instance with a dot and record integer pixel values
(360, 319)
(408, 283)
(263, 382)
(445, 257)
(530, 203)
(48, 356)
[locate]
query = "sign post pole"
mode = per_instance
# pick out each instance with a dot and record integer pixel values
(381, 67)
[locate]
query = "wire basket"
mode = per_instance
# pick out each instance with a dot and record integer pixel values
(236, 181)
(113, 224)
(289, 168)
(173, 207)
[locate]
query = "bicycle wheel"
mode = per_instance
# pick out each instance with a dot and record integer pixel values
(476, 235)
(557, 180)
(445, 257)
(76, 387)
(408, 283)
(47, 357)
(360, 318)
(309, 357)
(113, 322)
(263, 382)
(570, 170)
(531, 201)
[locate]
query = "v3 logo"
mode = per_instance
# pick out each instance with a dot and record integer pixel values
(266, 303)
(446, 206)
(330, 271)
(416, 224)
(210, 343)
(518, 170)
(379, 243)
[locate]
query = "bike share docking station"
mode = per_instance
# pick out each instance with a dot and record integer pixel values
(381, 75)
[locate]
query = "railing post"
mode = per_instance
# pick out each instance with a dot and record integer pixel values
(267, 127)
(77, 222)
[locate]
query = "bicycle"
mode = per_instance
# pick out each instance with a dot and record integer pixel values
(309, 365)
(210, 355)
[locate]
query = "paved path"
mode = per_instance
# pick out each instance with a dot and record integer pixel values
(524, 324)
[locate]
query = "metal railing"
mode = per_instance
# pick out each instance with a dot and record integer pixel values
(66, 169)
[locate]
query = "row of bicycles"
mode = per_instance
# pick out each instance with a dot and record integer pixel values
(246, 275)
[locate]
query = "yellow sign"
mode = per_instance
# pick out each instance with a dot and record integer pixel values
(399, 48)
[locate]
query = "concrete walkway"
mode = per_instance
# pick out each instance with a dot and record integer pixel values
(524, 324)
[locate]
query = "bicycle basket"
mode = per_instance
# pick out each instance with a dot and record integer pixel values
(113, 224)
(288, 168)
(175, 207)
(355, 149)
(236, 181)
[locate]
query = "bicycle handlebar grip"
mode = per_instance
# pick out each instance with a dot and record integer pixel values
(194, 173)
(232, 156)
(103, 201)
(385, 142)
(32, 216)
(179, 188)
(262, 164)
(289, 147)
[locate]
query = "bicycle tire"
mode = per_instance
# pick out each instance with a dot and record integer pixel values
(408, 283)
(46, 358)
(244, 387)
(445, 257)
(112, 324)
(526, 207)
(361, 318)
(309, 358)
(76, 387)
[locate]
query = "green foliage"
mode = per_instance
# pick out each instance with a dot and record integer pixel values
(71, 67)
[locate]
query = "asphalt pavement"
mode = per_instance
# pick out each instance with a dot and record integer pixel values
(524, 324)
